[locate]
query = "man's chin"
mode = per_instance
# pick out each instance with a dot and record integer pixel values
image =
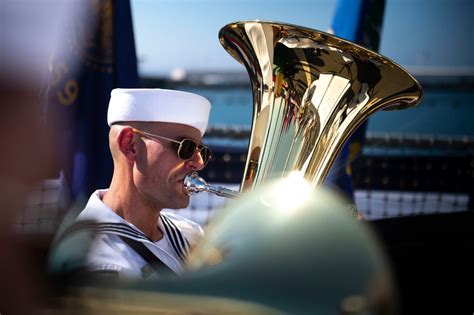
(185, 204)
(181, 201)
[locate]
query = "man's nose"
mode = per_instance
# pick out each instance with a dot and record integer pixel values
(196, 162)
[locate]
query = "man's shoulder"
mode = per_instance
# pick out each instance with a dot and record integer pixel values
(89, 240)
(91, 250)
(95, 209)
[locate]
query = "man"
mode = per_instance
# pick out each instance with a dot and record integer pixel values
(155, 141)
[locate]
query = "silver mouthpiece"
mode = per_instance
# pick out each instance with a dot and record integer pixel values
(194, 184)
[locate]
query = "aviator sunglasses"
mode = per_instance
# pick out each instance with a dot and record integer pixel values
(186, 147)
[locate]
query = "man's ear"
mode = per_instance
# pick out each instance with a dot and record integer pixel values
(126, 143)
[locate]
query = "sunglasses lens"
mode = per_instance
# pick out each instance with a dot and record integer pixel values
(186, 149)
(205, 154)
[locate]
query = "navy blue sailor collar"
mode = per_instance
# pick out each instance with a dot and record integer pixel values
(101, 219)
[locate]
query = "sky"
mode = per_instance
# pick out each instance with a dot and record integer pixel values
(183, 34)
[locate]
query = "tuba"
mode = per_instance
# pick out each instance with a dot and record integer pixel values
(311, 90)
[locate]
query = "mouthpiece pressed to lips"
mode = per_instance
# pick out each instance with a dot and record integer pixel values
(195, 184)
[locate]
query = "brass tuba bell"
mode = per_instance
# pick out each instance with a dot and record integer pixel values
(311, 90)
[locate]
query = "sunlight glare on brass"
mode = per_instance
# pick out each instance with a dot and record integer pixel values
(289, 194)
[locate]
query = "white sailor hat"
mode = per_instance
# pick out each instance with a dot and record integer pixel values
(159, 105)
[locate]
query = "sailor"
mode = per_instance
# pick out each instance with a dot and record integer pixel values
(155, 140)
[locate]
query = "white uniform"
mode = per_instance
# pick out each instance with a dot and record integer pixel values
(100, 231)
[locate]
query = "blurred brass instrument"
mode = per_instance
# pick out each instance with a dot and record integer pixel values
(311, 90)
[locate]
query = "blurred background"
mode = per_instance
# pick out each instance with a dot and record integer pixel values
(412, 174)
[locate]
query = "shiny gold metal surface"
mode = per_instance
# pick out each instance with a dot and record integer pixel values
(311, 90)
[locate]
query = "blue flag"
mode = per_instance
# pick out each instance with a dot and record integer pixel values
(99, 56)
(359, 21)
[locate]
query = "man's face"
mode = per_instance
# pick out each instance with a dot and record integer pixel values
(159, 172)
